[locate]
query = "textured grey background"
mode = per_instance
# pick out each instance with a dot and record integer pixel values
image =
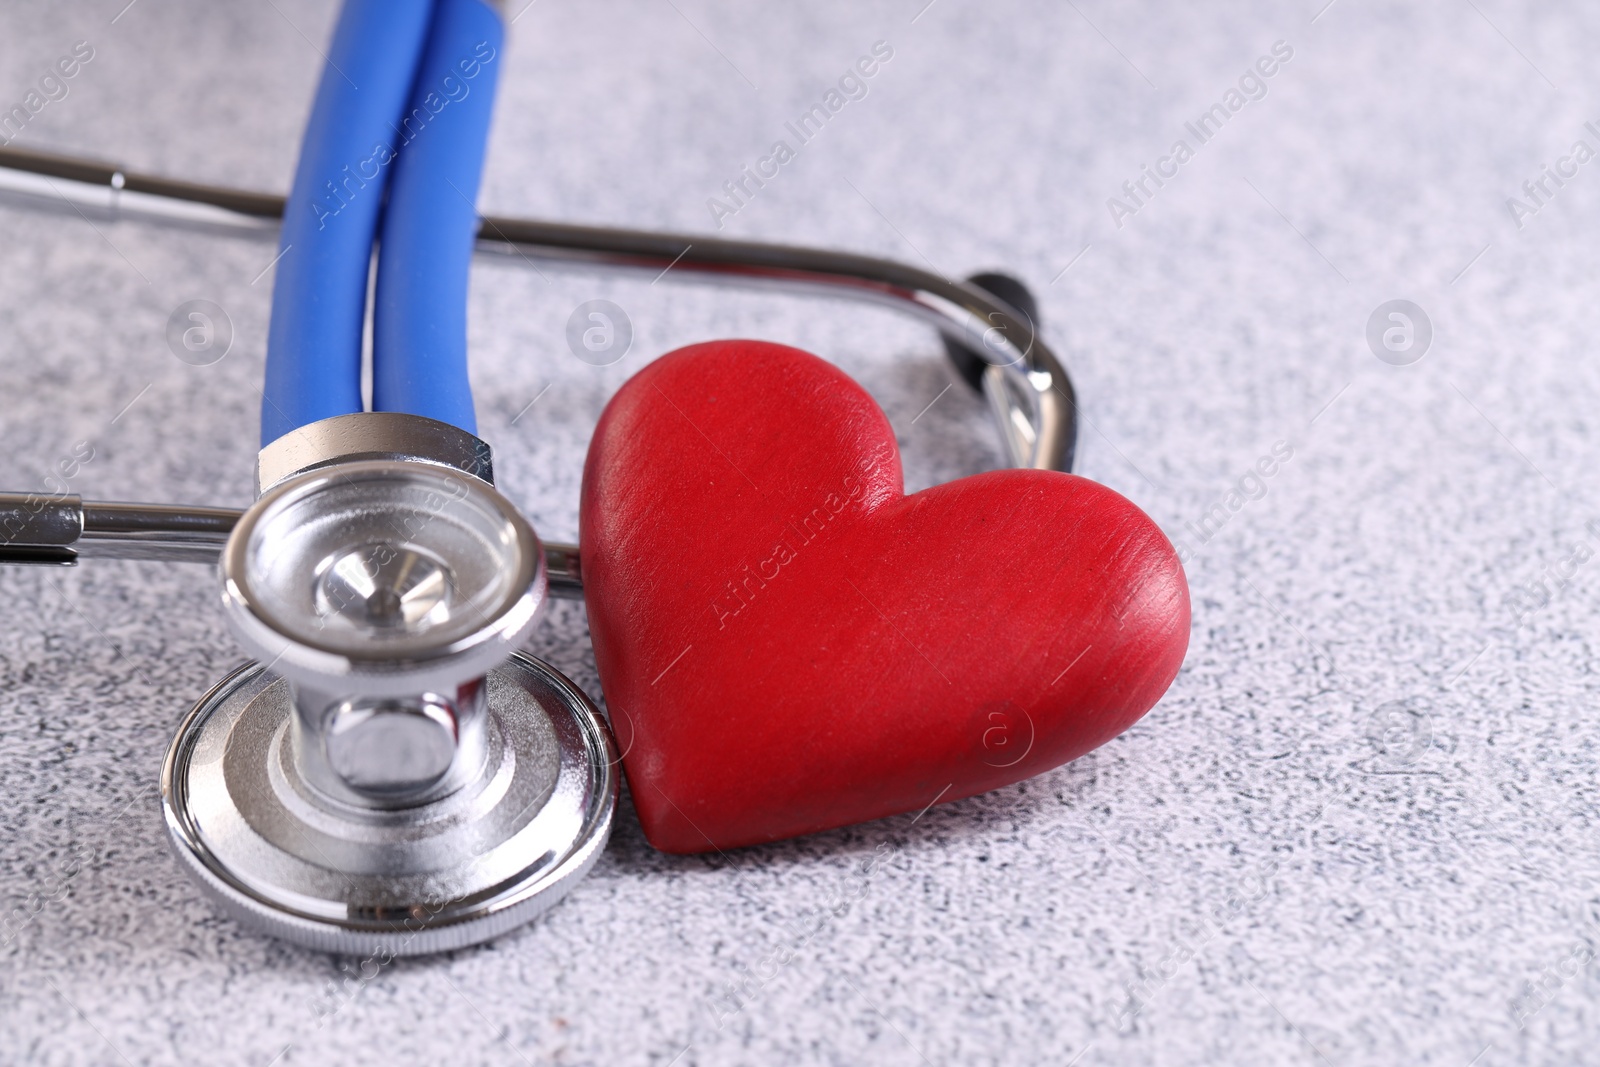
(1360, 829)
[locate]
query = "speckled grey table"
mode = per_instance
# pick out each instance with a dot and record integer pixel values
(1360, 829)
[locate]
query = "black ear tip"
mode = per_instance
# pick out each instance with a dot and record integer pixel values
(1009, 289)
(968, 361)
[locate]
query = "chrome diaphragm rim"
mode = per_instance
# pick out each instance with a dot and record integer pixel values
(225, 838)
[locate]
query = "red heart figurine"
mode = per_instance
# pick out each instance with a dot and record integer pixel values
(789, 643)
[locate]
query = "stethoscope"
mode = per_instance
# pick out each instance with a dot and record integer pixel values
(389, 773)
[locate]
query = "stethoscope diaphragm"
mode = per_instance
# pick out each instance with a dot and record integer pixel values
(282, 856)
(391, 775)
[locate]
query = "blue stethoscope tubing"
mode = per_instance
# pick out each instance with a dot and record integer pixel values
(393, 152)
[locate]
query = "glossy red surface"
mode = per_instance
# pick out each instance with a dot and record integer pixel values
(788, 643)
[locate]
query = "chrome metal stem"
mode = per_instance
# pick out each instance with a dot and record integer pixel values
(1028, 390)
(1026, 385)
(49, 528)
(390, 753)
(45, 528)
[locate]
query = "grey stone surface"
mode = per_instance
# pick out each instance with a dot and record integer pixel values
(1361, 827)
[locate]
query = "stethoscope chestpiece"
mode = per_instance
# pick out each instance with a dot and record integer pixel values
(391, 776)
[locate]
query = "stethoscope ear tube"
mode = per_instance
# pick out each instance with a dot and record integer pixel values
(408, 89)
(319, 298)
(1031, 394)
(429, 228)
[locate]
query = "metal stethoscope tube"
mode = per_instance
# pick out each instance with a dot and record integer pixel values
(1028, 389)
(1029, 392)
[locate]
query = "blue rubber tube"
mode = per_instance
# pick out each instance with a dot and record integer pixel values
(419, 344)
(319, 297)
